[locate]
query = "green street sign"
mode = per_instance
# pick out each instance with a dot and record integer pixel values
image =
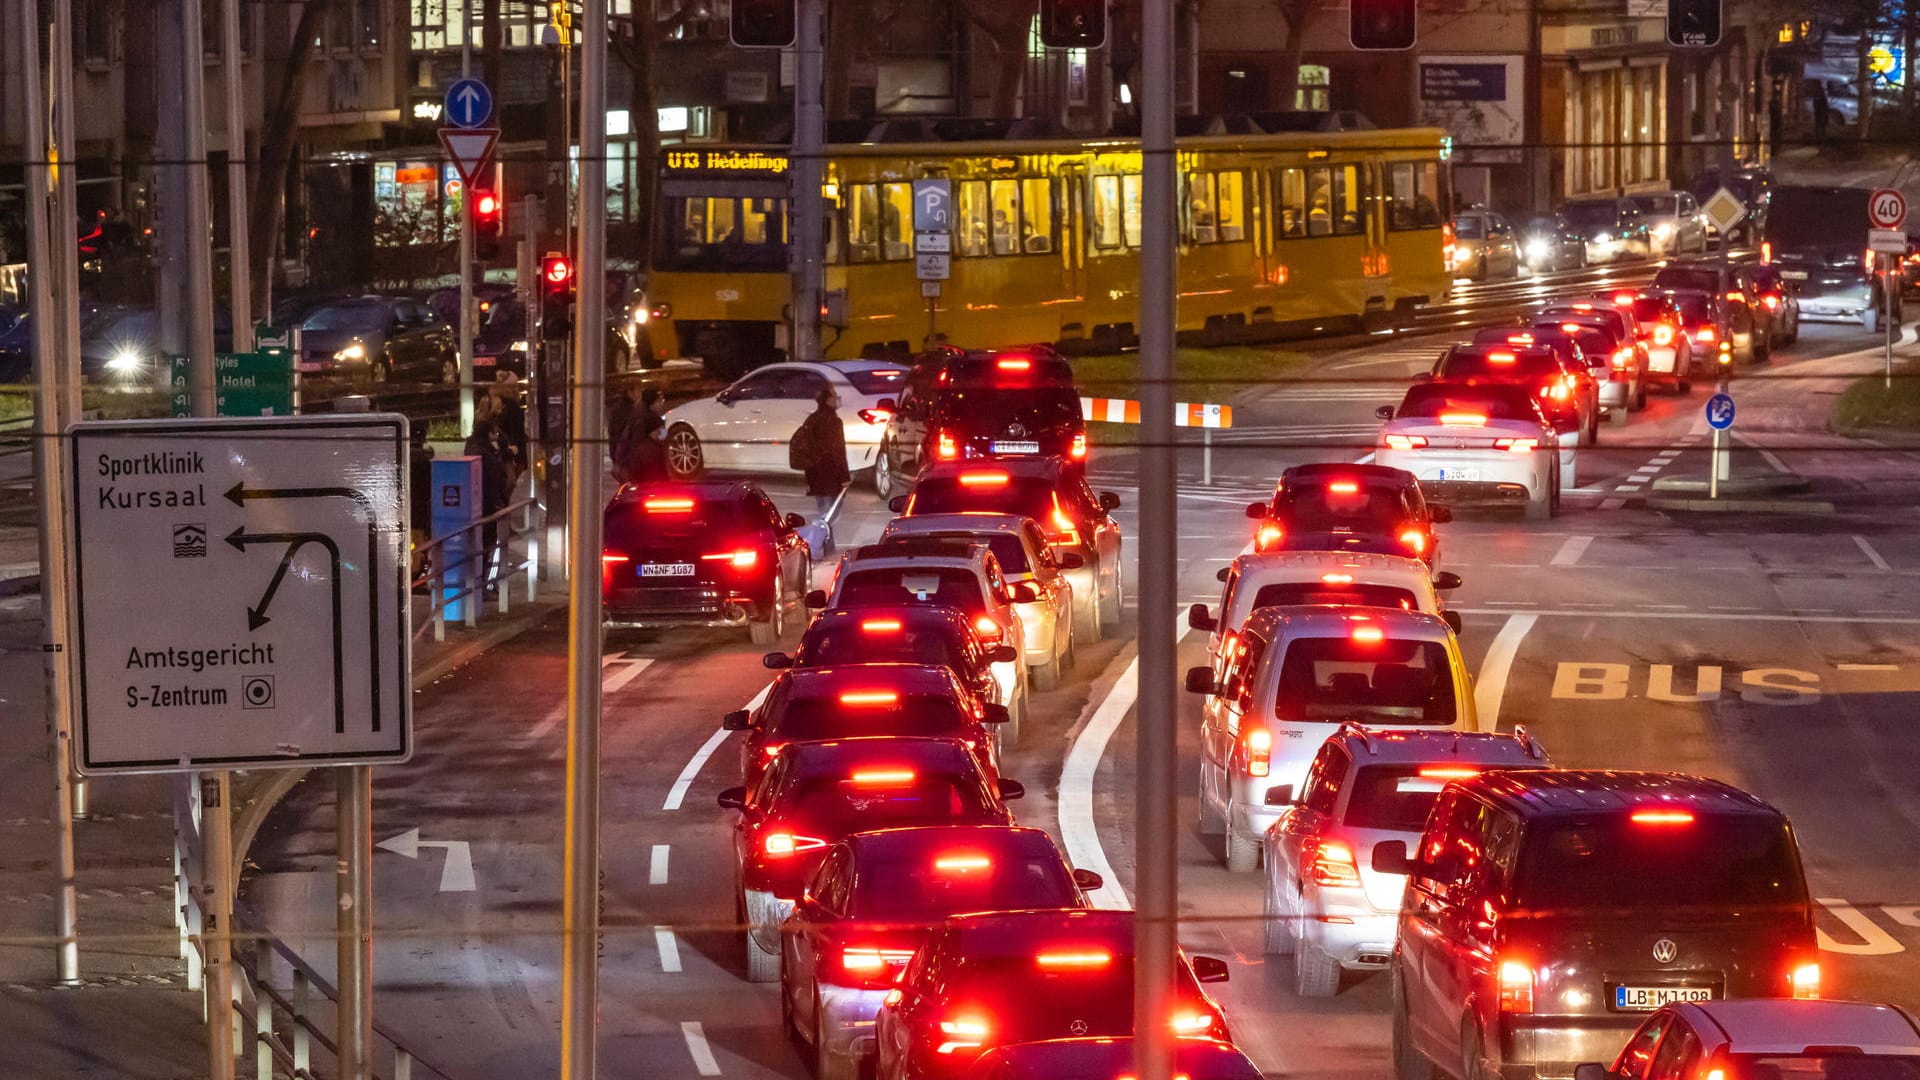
(246, 384)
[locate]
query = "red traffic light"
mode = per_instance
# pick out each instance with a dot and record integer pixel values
(487, 205)
(556, 271)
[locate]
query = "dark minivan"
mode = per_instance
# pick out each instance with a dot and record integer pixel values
(1548, 912)
(1817, 236)
(985, 404)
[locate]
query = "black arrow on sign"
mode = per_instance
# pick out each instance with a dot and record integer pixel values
(239, 493)
(257, 615)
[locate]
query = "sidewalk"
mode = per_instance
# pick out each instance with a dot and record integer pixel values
(131, 1015)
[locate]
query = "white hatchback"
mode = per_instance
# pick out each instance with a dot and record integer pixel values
(747, 427)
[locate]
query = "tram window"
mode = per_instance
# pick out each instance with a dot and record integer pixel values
(1293, 202)
(1346, 201)
(763, 221)
(1130, 209)
(1200, 204)
(863, 224)
(721, 232)
(1006, 216)
(1106, 212)
(1320, 201)
(1231, 205)
(1036, 216)
(836, 228)
(972, 226)
(1413, 189)
(896, 212)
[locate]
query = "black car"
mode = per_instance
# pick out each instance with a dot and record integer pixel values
(1701, 316)
(1817, 237)
(702, 555)
(1563, 384)
(1612, 228)
(1758, 285)
(1548, 912)
(959, 405)
(1336, 507)
(378, 338)
(901, 634)
(1548, 242)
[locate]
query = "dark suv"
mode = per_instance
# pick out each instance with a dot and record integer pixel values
(1335, 507)
(1817, 236)
(1548, 912)
(989, 404)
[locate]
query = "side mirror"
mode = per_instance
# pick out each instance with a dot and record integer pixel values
(1025, 592)
(886, 403)
(1200, 680)
(725, 397)
(1002, 654)
(776, 661)
(1220, 575)
(1109, 501)
(734, 798)
(1591, 1070)
(1390, 857)
(794, 521)
(1257, 511)
(737, 720)
(1440, 514)
(1088, 880)
(1011, 790)
(1423, 377)
(1452, 618)
(817, 599)
(897, 504)
(1199, 618)
(995, 714)
(1280, 796)
(1068, 560)
(1209, 969)
(1384, 412)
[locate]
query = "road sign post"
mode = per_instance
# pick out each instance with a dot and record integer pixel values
(932, 243)
(1720, 418)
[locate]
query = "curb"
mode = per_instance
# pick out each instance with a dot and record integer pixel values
(1769, 484)
(1741, 506)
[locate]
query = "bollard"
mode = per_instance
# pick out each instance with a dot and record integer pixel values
(1206, 457)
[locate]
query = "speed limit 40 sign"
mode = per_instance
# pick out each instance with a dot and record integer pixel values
(1886, 209)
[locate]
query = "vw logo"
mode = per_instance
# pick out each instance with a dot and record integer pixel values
(1078, 1027)
(1018, 431)
(1664, 950)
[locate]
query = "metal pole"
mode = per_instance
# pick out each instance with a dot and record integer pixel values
(579, 959)
(66, 258)
(1157, 883)
(1722, 464)
(216, 913)
(1713, 474)
(198, 218)
(49, 479)
(465, 327)
(353, 943)
(808, 173)
(239, 254)
(1888, 286)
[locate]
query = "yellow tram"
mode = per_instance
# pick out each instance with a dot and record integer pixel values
(1278, 233)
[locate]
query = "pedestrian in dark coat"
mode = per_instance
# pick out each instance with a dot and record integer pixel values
(484, 444)
(822, 451)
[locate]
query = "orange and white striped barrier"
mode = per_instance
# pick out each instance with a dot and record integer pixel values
(1185, 414)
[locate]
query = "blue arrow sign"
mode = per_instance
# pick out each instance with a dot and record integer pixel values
(469, 103)
(1720, 412)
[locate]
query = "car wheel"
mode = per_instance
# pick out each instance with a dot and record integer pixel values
(1243, 851)
(1618, 417)
(1209, 823)
(762, 966)
(1408, 1062)
(1640, 394)
(773, 629)
(1045, 676)
(1540, 507)
(1870, 320)
(1763, 351)
(1684, 387)
(1111, 607)
(1473, 1051)
(685, 459)
(1016, 715)
(1315, 975)
(1087, 621)
(830, 1066)
(1278, 925)
(883, 472)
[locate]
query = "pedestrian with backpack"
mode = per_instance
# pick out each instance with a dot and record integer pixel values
(819, 450)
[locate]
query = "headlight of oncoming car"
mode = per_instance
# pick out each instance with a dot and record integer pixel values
(518, 346)
(125, 360)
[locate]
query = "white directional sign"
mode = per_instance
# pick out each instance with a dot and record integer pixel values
(241, 593)
(932, 266)
(1887, 241)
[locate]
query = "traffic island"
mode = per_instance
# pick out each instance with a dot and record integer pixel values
(1761, 493)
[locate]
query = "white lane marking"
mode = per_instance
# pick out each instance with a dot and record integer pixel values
(1612, 504)
(1078, 832)
(1491, 687)
(1873, 556)
(1570, 552)
(1629, 488)
(1364, 460)
(456, 873)
(614, 681)
(1766, 455)
(1867, 667)
(1706, 616)
(679, 790)
(1669, 607)
(1873, 940)
(702, 1054)
(657, 866)
(669, 947)
(1668, 454)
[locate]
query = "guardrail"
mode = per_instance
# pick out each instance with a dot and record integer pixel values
(1186, 414)
(479, 557)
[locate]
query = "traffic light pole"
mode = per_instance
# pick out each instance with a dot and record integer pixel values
(465, 329)
(808, 174)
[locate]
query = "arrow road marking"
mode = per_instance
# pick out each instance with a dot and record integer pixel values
(456, 875)
(257, 616)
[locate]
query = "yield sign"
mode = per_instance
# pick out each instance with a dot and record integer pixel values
(470, 148)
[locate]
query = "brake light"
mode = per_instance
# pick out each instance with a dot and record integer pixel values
(1063, 530)
(1337, 579)
(1519, 339)
(1556, 390)
(881, 626)
(876, 416)
(960, 864)
(1343, 487)
(1867, 261)
(1570, 327)
(781, 843)
(882, 777)
(744, 559)
(1737, 295)
(962, 1033)
(984, 626)
(1332, 864)
(1766, 251)
(893, 996)
(1370, 635)
(1772, 301)
(870, 697)
(1662, 334)
(1079, 448)
(1662, 817)
(1188, 1024)
(1623, 358)
(1622, 299)
(982, 479)
(866, 962)
(609, 557)
(1705, 335)
(1501, 358)
(1415, 540)
(1257, 743)
(1448, 772)
(1582, 307)
(1268, 536)
(1014, 364)
(1058, 960)
(944, 448)
(1517, 446)
(1804, 980)
(667, 506)
(1405, 442)
(1516, 987)
(1461, 419)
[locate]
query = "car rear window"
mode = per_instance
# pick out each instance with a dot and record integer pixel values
(1028, 1003)
(1800, 217)
(991, 408)
(1831, 1067)
(1615, 862)
(958, 877)
(1379, 681)
(1606, 316)
(1676, 277)
(1587, 214)
(1030, 496)
(877, 380)
(829, 718)
(946, 586)
(844, 644)
(842, 805)
(1467, 228)
(1656, 204)
(1465, 364)
(1694, 310)
(1492, 402)
(636, 522)
(1303, 593)
(1392, 797)
(1325, 504)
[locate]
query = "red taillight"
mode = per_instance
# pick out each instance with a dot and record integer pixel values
(667, 506)
(1517, 446)
(1662, 334)
(782, 844)
(1331, 864)
(1257, 744)
(1705, 335)
(1501, 358)
(1079, 448)
(743, 559)
(983, 479)
(1622, 359)
(1063, 528)
(1737, 295)
(1662, 817)
(866, 963)
(1014, 364)
(1448, 772)
(1055, 961)
(870, 697)
(1516, 986)
(1344, 487)
(1519, 339)
(876, 416)
(1772, 301)
(881, 626)
(1337, 579)
(944, 448)
(1367, 635)
(986, 627)
(1866, 261)
(961, 864)
(1766, 251)
(1191, 1024)
(1268, 536)
(882, 777)
(1405, 442)
(612, 558)
(1455, 419)
(1622, 299)
(962, 1033)
(1559, 389)
(1804, 980)
(1414, 540)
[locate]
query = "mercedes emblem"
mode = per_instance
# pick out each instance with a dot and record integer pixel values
(1664, 950)
(1078, 1027)
(1017, 431)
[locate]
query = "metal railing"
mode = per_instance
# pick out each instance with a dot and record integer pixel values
(479, 557)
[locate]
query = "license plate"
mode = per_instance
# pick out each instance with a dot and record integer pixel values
(666, 569)
(314, 366)
(1794, 275)
(1003, 446)
(1663, 364)
(1459, 474)
(483, 361)
(1648, 998)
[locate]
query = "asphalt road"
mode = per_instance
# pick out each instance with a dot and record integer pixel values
(1772, 650)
